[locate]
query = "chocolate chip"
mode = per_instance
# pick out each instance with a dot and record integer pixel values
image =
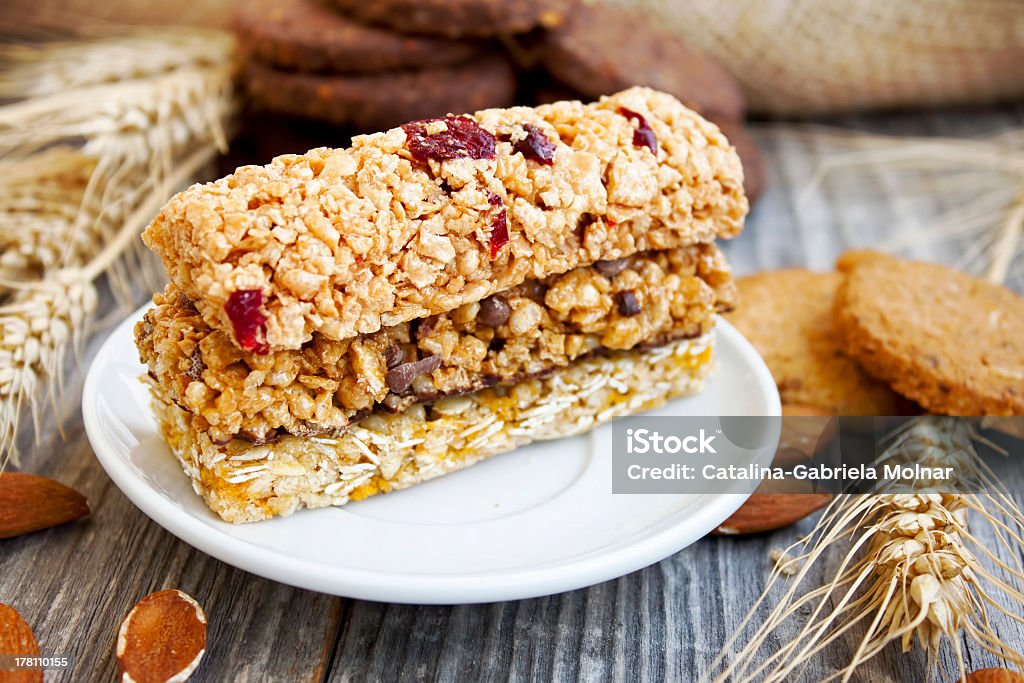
(187, 304)
(400, 377)
(258, 439)
(627, 303)
(535, 289)
(611, 268)
(313, 429)
(494, 311)
(584, 222)
(394, 355)
(425, 327)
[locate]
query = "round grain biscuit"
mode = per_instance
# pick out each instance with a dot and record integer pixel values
(600, 49)
(787, 316)
(457, 18)
(374, 102)
(307, 35)
(952, 342)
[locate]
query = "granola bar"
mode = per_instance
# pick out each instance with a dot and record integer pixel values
(243, 482)
(527, 331)
(433, 215)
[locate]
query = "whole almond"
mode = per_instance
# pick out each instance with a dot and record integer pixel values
(777, 504)
(16, 639)
(995, 675)
(162, 639)
(30, 503)
(805, 430)
(770, 511)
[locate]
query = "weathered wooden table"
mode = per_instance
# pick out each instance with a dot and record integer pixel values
(74, 584)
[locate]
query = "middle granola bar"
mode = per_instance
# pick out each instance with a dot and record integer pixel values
(527, 331)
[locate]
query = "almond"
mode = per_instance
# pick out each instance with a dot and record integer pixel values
(30, 503)
(805, 430)
(16, 639)
(771, 511)
(777, 504)
(995, 675)
(162, 640)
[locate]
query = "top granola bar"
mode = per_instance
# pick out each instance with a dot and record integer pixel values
(426, 217)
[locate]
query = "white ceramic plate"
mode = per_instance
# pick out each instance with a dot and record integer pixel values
(534, 522)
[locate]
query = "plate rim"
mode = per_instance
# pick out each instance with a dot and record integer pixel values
(407, 587)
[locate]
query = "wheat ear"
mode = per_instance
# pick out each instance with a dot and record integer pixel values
(911, 570)
(93, 150)
(984, 174)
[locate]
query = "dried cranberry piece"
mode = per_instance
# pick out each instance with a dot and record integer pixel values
(462, 138)
(424, 327)
(643, 136)
(499, 225)
(243, 309)
(627, 303)
(535, 146)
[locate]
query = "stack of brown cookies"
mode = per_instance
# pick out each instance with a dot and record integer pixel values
(352, 63)
(887, 336)
(373, 65)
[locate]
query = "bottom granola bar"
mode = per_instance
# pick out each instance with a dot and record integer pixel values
(243, 482)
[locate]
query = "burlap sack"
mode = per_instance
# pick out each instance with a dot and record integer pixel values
(794, 57)
(802, 57)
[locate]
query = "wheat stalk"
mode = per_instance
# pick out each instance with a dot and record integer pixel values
(986, 172)
(912, 570)
(36, 70)
(39, 207)
(106, 131)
